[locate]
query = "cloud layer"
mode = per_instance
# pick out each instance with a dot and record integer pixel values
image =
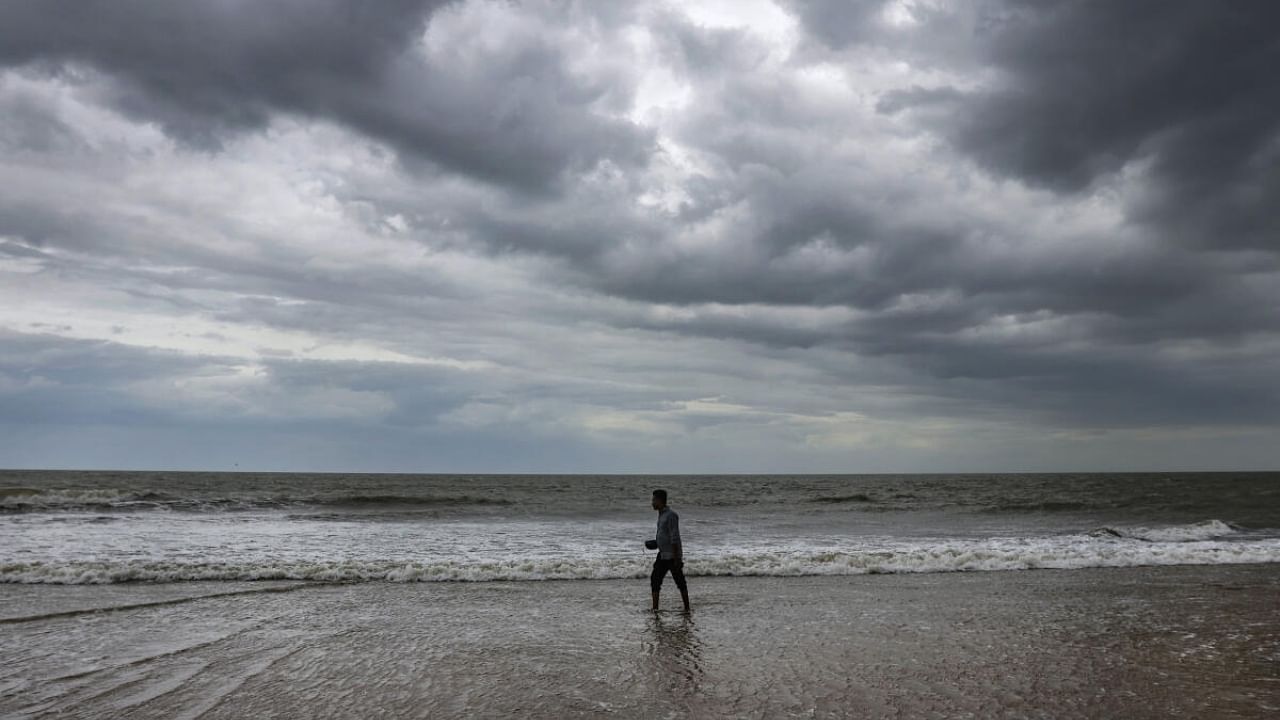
(734, 237)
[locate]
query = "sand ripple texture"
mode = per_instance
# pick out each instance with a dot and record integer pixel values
(1133, 642)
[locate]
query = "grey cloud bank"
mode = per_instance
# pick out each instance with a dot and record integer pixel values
(505, 108)
(652, 237)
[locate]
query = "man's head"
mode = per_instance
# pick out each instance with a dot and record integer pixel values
(659, 499)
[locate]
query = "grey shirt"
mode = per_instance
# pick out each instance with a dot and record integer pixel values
(668, 533)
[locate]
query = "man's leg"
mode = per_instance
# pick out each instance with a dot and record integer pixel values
(655, 580)
(677, 574)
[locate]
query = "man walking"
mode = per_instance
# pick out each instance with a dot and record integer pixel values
(670, 554)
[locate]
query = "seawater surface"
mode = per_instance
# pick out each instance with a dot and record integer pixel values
(80, 527)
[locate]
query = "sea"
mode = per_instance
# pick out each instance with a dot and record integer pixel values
(98, 527)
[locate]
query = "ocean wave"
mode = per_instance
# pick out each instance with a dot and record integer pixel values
(1002, 554)
(15, 500)
(17, 492)
(1044, 506)
(842, 499)
(357, 500)
(107, 500)
(1207, 530)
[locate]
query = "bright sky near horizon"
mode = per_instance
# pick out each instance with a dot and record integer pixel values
(729, 236)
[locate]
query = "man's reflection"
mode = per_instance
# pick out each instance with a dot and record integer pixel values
(674, 651)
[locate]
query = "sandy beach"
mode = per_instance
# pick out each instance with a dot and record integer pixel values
(1133, 642)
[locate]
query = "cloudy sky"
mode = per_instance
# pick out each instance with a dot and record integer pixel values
(730, 236)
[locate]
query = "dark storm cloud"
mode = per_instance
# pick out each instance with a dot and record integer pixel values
(97, 245)
(839, 23)
(930, 35)
(701, 51)
(75, 403)
(1084, 89)
(1089, 87)
(31, 127)
(421, 394)
(1101, 384)
(50, 379)
(40, 225)
(21, 250)
(1048, 216)
(512, 114)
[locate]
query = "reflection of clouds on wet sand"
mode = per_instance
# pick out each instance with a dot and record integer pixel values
(1131, 643)
(673, 652)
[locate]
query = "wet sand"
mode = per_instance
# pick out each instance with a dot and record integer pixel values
(1134, 643)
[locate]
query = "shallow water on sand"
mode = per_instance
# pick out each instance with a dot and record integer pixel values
(1135, 642)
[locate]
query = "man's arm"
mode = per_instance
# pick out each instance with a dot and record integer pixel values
(677, 552)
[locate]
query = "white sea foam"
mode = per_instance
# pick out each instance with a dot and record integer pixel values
(921, 556)
(22, 498)
(1207, 530)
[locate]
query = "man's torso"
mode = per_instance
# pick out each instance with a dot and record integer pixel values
(668, 533)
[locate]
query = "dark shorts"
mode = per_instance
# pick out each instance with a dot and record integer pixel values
(660, 568)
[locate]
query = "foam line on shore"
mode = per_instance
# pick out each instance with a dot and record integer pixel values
(993, 554)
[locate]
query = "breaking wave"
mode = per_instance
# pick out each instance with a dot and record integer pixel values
(1207, 530)
(1094, 550)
